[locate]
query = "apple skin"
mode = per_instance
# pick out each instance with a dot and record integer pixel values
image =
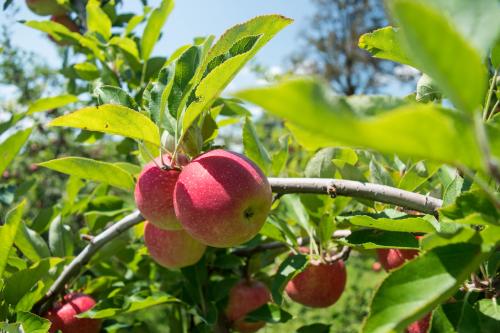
(172, 248)
(222, 198)
(154, 192)
(420, 326)
(319, 285)
(393, 258)
(62, 316)
(45, 7)
(245, 297)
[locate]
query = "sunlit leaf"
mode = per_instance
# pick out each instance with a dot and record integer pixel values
(8, 233)
(11, 146)
(154, 26)
(49, 103)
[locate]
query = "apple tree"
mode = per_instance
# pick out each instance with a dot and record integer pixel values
(171, 217)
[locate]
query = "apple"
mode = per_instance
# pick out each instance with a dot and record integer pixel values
(245, 297)
(222, 198)
(46, 7)
(172, 248)
(420, 326)
(393, 258)
(63, 315)
(154, 193)
(319, 285)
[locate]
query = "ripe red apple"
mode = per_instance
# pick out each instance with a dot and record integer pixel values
(420, 326)
(154, 194)
(62, 315)
(245, 297)
(46, 7)
(393, 258)
(172, 248)
(319, 285)
(222, 198)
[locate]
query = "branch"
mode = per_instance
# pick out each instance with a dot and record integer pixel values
(351, 188)
(333, 187)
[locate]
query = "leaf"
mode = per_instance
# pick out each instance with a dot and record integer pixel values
(280, 158)
(470, 203)
(489, 315)
(20, 283)
(417, 175)
(31, 244)
(288, 269)
(60, 238)
(413, 224)
(427, 90)
(11, 146)
(375, 239)
(87, 71)
(379, 174)
(49, 103)
(421, 284)
(154, 26)
(87, 168)
(115, 95)
(419, 130)
(97, 20)
(320, 165)
(32, 323)
(8, 233)
(384, 43)
(253, 147)
(464, 79)
(270, 313)
(112, 119)
(212, 85)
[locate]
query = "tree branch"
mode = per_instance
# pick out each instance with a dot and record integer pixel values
(333, 187)
(351, 188)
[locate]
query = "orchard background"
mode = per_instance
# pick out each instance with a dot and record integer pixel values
(402, 191)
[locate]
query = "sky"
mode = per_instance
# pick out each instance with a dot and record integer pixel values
(191, 18)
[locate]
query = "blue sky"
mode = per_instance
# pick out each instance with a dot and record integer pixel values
(192, 18)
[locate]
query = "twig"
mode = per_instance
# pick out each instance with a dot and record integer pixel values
(374, 192)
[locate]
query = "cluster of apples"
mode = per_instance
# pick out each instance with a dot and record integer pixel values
(58, 13)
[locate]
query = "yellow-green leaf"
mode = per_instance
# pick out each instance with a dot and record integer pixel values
(93, 170)
(154, 26)
(8, 233)
(11, 146)
(112, 119)
(49, 103)
(97, 20)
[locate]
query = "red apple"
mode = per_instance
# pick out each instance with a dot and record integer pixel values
(62, 316)
(154, 194)
(172, 248)
(222, 198)
(420, 326)
(46, 7)
(245, 297)
(319, 285)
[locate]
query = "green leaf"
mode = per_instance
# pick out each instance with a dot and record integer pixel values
(427, 90)
(419, 130)
(32, 323)
(112, 119)
(464, 79)
(320, 165)
(115, 95)
(60, 238)
(384, 43)
(212, 85)
(412, 224)
(87, 71)
(8, 233)
(376, 239)
(280, 157)
(379, 174)
(489, 315)
(49, 103)
(441, 323)
(420, 285)
(97, 20)
(87, 168)
(472, 203)
(270, 313)
(154, 26)
(288, 269)
(253, 147)
(22, 282)
(11, 146)
(31, 244)
(417, 175)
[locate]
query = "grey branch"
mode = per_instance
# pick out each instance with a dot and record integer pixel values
(333, 187)
(351, 188)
